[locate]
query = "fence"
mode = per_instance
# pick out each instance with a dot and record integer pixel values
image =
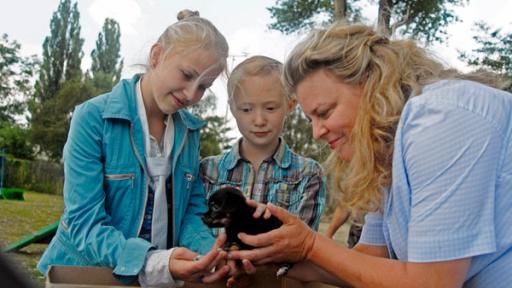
(40, 176)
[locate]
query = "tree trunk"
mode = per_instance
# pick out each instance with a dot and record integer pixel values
(384, 18)
(340, 9)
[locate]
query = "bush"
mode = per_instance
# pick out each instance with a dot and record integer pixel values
(12, 194)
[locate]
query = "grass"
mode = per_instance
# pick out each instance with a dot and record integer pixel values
(19, 218)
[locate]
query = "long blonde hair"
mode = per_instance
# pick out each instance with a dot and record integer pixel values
(390, 71)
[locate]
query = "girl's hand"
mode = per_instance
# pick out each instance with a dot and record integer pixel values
(189, 266)
(291, 243)
(261, 209)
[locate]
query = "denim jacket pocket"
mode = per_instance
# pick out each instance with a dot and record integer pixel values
(119, 188)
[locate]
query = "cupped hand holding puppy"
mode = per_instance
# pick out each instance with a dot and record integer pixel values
(292, 242)
(186, 265)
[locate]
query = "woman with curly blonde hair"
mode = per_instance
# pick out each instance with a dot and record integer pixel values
(424, 150)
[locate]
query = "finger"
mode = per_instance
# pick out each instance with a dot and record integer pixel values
(267, 213)
(214, 277)
(260, 240)
(233, 269)
(184, 254)
(251, 203)
(280, 213)
(217, 262)
(231, 282)
(216, 249)
(260, 209)
(248, 267)
(256, 256)
(204, 262)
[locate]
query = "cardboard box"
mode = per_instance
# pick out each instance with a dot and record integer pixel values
(87, 277)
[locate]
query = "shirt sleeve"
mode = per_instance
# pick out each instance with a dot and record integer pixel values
(372, 233)
(451, 156)
(313, 199)
(156, 270)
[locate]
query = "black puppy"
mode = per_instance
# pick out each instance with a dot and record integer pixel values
(227, 208)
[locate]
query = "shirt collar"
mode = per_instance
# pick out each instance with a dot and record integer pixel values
(282, 155)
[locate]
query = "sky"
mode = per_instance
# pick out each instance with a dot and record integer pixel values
(243, 23)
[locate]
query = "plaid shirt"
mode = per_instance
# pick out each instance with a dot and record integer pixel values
(288, 180)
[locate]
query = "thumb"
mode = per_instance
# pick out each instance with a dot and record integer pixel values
(183, 254)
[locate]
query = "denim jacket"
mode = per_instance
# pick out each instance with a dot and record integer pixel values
(105, 189)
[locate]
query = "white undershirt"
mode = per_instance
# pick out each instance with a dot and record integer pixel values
(156, 269)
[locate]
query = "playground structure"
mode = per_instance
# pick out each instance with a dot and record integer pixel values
(43, 235)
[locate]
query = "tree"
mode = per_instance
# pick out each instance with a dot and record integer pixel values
(298, 135)
(51, 125)
(425, 20)
(298, 15)
(15, 80)
(106, 57)
(14, 139)
(214, 137)
(494, 52)
(62, 52)
(60, 79)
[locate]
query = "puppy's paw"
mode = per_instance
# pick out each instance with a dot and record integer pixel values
(231, 246)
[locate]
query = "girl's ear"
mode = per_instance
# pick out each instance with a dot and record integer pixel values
(155, 55)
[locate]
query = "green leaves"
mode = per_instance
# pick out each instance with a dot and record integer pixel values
(106, 57)
(425, 20)
(494, 52)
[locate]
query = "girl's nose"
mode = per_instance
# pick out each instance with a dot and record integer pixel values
(259, 118)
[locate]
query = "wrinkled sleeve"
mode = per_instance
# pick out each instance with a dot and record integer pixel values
(88, 224)
(195, 235)
(451, 157)
(372, 233)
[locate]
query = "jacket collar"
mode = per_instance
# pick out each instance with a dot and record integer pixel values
(121, 104)
(282, 156)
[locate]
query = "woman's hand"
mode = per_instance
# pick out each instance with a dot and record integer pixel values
(187, 265)
(241, 277)
(292, 242)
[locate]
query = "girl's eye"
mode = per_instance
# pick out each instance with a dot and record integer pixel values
(246, 110)
(271, 108)
(187, 75)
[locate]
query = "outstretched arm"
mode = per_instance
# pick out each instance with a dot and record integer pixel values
(339, 218)
(295, 242)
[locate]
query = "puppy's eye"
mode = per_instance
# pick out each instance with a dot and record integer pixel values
(215, 206)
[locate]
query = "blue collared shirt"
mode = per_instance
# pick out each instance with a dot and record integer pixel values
(451, 191)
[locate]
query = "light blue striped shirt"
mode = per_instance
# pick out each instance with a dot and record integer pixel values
(451, 191)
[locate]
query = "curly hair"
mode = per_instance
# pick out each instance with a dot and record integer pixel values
(389, 71)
